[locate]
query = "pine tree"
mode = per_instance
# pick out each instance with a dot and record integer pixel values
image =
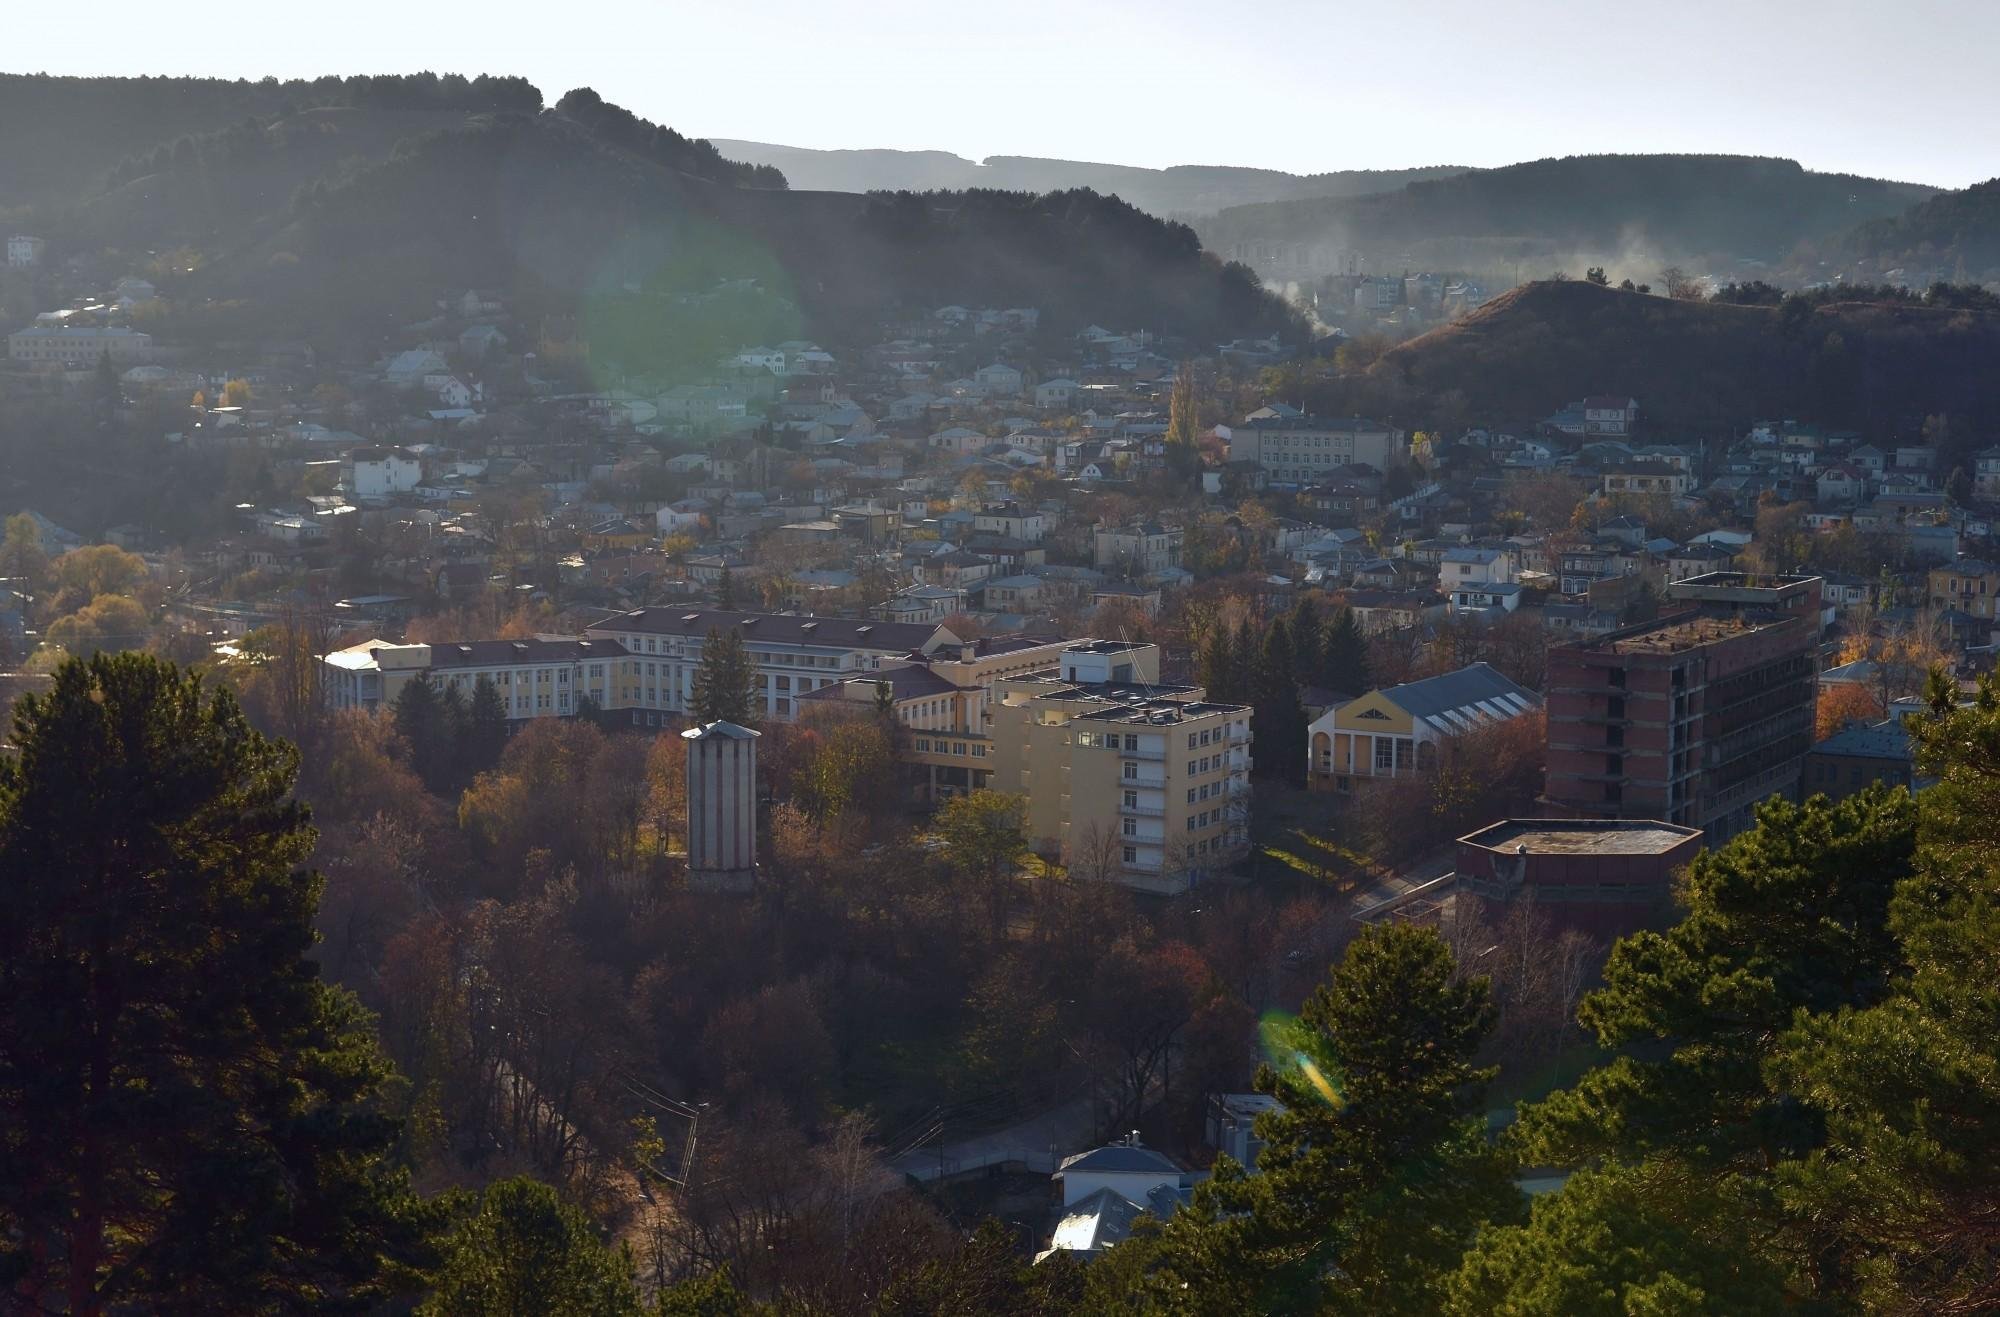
(485, 727)
(1376, 1171)
(420, 719)
(526, 1251)
(1343, 664)
(1308, 641)
(725, 590)
(1216, 666)
(194, 1122)
(1278, 718)
(1245, 655)
(724, 683)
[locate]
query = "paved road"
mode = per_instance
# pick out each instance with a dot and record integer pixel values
(1406, 880)
(1038, 1143)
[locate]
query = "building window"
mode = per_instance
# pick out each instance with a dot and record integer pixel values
(1131, 771)
(1131, 798)
(1131, 827)
(1385, 755)
(1131, 854)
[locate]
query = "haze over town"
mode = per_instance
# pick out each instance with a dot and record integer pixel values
(1344, 661)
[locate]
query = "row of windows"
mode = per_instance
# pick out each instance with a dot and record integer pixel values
(1203, 819)
(944, 747)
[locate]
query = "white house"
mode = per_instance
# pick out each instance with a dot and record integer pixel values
(998, 379)
(24, 252)
(1465, 565)
(1055, 393)
(450, 390)
(959, 439)
(378, 473)
(1126, 1168)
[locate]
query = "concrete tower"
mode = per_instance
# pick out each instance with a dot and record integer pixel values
(722, 805)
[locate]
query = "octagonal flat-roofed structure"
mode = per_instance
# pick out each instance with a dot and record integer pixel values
(1605, 876)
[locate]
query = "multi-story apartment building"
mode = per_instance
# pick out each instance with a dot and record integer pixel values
(1298, 449)
(794, 655)
(1692, 718)
(535, 678)
(1128, 780)
(941, 701)
(80, 346)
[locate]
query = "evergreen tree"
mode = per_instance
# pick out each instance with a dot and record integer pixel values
(1792, 915)
(485, 727)
(725, 682)
(194, 1122)
(423, 721)
(1376, 1171)
(1279, 718)
(1902, 1189)
(525, 1251)
(1247, 653)
(1308, 641)
(451, 755)
(1215, 667)
(725, 590)
(1343, 663)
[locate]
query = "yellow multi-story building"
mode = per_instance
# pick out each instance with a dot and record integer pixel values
(1125, 779)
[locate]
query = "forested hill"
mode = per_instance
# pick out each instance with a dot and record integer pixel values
(567, 218)
(1179, 190)
(1584, 207)
(61, 137)
(1875, 366)
(1956, 233)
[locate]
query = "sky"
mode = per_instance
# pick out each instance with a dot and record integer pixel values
(1903, 90)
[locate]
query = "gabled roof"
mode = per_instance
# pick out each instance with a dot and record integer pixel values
(1454, 701)
(1115, 1158)
(1095, 1223)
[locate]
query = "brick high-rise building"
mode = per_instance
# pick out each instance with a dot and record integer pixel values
(1695, 717)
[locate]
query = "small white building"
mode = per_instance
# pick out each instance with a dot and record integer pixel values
(998, 380)
(380, 473)
(24, 252)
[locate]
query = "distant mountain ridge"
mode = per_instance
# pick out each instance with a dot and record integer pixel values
(1179, 190)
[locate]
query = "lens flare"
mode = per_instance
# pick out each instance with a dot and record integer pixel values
(1290, 1047)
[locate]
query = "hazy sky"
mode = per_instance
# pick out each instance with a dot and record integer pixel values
(1904, 90)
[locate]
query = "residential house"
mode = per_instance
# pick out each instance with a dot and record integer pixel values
(1841, 483)
(1860, 755)
(407, 370)
(998, 380)
(1986, 473)
(373, 474)
(1055, 394)
(24, 252)
(1646, 478)
(1138, 549)
(1971, 585)
(1486, 601)
(1012, 520)
(1399, 731)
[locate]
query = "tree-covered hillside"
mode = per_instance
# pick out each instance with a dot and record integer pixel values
(1880, 366)
(1657, 204)
(1955, 231)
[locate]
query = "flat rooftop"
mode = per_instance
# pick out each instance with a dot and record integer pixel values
(1581, 836)
(1675, 634)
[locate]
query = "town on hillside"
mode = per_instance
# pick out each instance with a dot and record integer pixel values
(840, 789)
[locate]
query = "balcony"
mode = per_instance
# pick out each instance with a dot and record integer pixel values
(1156, 756)
(1143, 783)
(1143, 811)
